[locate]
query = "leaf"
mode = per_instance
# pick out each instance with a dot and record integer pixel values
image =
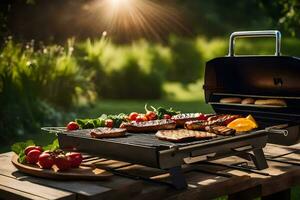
(53, 146)
(20, 146)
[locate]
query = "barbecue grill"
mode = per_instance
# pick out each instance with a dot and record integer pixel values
(258, 77)
(231, 76)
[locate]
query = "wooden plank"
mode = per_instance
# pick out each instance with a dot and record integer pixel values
(84, 189)
(12, 194)
(34, 189)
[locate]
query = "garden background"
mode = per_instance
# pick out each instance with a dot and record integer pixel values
(62, 59)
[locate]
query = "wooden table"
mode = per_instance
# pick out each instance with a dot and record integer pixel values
(206, 181)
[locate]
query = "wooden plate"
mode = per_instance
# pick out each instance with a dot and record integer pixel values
(81, 173)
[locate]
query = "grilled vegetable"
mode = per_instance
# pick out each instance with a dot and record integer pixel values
(148, 126)
(100, 122)
(160, 111)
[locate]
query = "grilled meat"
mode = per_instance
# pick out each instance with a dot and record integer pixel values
(149, 126)
(180, 119)
(220, 130)
(201, 124)
(225, 119)
(181, 135)
(104, 132)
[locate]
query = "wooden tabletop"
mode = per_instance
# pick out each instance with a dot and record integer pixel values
(205, 180)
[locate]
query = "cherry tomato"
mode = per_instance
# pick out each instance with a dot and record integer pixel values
(139, 119)
(72, 126)
(62, 162)
(29, 148)
(33, 156)
(166, 116)
(151, 115)
(133, 116)
(202, 116)
(109, 123)
(76, 158)
(46, 160)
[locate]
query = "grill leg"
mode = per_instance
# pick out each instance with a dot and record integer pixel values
(259, 159)
(178, 178)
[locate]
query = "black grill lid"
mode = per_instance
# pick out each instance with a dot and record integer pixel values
(260, 77)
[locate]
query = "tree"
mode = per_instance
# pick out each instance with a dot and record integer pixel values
(286, 14)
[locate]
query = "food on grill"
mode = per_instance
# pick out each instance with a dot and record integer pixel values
(243, 124)
(220, 130)
(248, 101)
(180, 119)
(104, 132)
(224, 119)
(180, 135)
(272, 102)
(231, 100)
(72, 126)
(201, 124)
(149, 126)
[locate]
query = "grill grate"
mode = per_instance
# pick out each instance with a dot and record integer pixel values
(142, 139)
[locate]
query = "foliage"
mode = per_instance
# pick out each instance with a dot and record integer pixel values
(19, 148)
(39, 85)
(285, 13)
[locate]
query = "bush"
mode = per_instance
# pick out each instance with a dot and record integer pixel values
(31, 83)
(135, 71)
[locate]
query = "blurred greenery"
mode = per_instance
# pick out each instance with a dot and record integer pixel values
(49, 85)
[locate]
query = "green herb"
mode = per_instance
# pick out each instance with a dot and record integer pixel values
(160, 111)
(19, 148)
(52, 147)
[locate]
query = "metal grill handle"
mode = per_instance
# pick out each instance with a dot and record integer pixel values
(266, 33)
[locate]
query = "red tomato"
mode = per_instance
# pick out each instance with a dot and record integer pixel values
(72, 126)
(33, 156)
(29, 148)
(139, 119)
(46, 160)
(133, 116)
(151, 115)
(62, 162)
(75, 157)
(109, 123)
(166, 116)
(202, 116)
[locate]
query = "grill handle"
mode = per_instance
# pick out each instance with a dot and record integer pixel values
(266, 33)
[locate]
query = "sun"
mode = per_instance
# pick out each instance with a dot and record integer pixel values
(119, 3)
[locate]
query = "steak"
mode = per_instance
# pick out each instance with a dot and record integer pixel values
(149, 126)
(220, 130)
(225, 119)
(180, 119)
(181, 135)
(201, 124)
(104, 132)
